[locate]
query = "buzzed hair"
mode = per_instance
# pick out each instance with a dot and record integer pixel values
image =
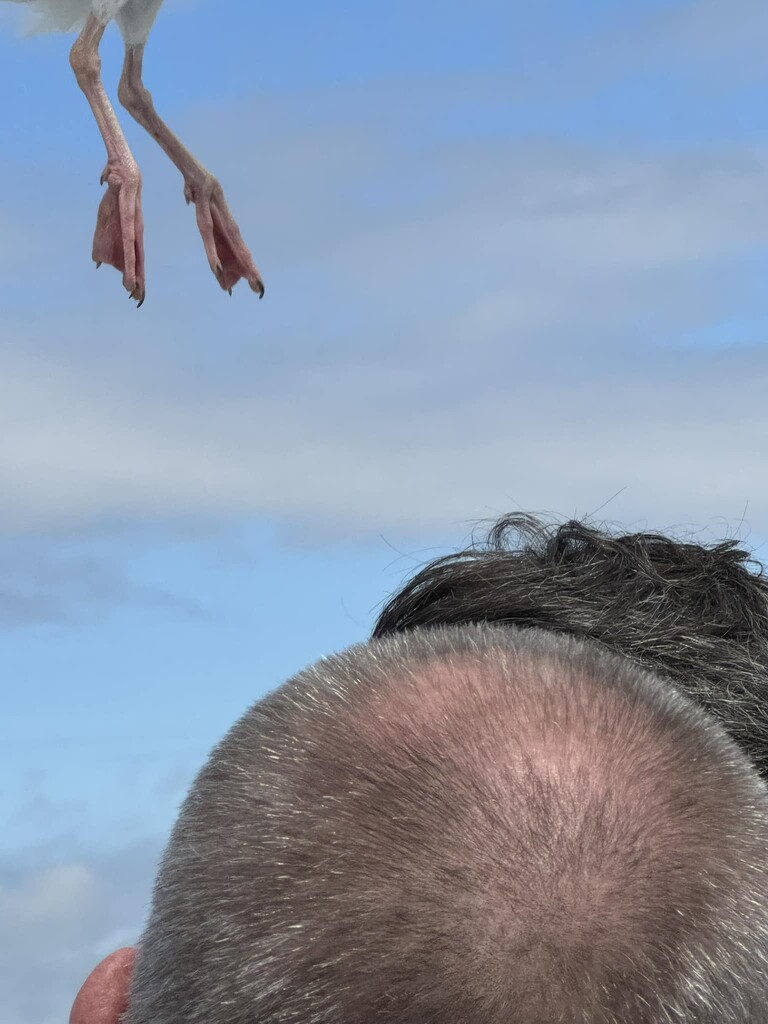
(465, 824)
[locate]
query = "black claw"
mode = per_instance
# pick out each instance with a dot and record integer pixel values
(141, 301)
(98, 264)
(229, 290)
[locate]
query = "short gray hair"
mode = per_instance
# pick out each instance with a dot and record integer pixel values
(465, 824)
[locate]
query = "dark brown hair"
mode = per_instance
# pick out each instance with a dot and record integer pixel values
(696, 614)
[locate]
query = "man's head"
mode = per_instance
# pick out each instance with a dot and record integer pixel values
(473, 822)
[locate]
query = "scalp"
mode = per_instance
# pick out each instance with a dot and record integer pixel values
(454, 823)
(582, 814)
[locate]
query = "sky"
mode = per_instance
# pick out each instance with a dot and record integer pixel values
(515, 257)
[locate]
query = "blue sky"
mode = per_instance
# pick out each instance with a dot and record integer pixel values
(516, 257)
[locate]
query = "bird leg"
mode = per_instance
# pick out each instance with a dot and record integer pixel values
(118, 239)
(228, 255)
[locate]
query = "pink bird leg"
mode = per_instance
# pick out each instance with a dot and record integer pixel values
(228, 255)
(118, 239)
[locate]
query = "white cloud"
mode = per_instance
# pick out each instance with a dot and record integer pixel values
(709, 29)
(524, 334)
(55, 897)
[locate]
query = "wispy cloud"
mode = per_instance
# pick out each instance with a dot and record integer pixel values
(48, 582)
(706, 29)
(533, 321)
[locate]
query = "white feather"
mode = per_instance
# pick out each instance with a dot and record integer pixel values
(134, 17)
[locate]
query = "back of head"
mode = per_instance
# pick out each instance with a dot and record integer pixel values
(468, 824)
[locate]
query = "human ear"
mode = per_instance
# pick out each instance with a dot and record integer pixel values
(103, 999)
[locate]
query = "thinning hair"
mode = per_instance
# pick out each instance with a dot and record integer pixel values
(465, 824)
(696, 614)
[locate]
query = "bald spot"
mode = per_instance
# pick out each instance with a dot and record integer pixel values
(469, 824)
(577, 823)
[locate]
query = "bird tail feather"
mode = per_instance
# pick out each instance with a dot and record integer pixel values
(53, 15)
